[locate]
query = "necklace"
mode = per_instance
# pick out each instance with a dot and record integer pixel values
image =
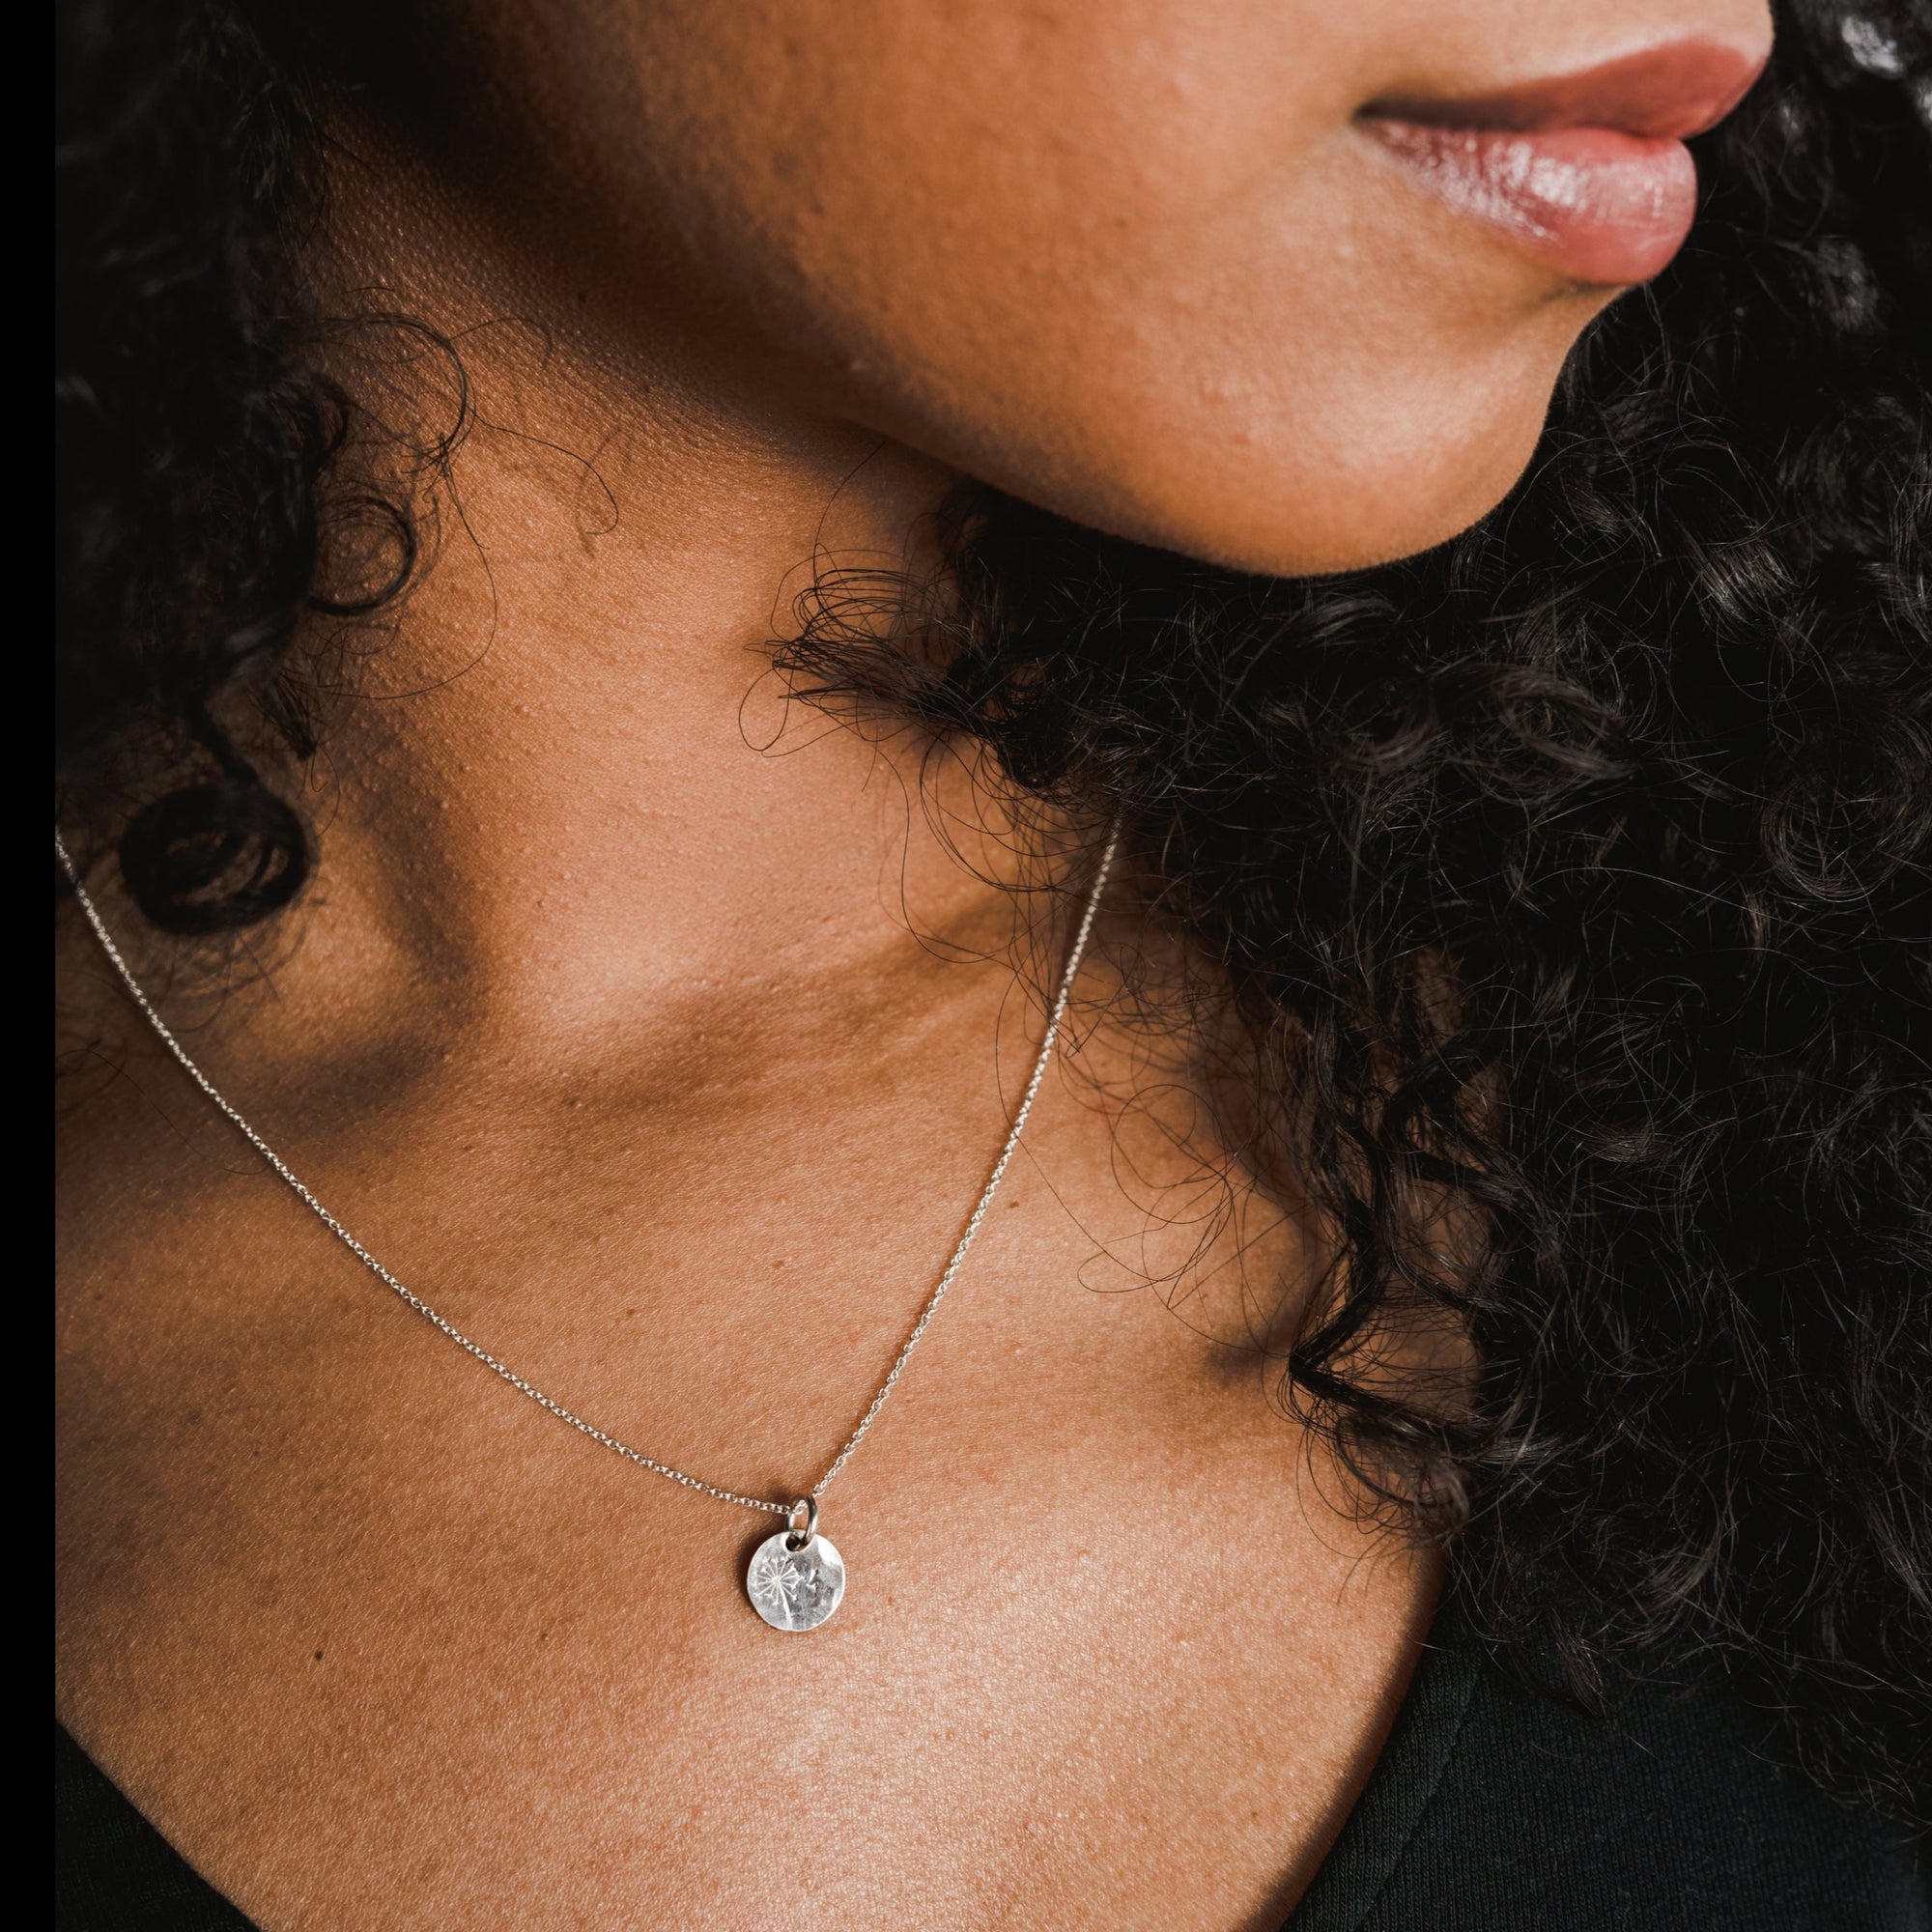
(796, 1578)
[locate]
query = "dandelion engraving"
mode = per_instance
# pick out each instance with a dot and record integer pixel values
(786, 1587)
(795, 1590)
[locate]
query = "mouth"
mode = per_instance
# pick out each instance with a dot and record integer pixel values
(1586, 171)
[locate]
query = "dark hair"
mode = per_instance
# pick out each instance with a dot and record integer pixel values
(1574, 879)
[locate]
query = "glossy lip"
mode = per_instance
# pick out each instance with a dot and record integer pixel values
(1587, 171)
(1667, 93)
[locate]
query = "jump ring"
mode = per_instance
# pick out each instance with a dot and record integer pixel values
(800, 1534)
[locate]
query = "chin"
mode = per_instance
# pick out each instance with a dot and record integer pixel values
(1305, 500)
(1309, 522)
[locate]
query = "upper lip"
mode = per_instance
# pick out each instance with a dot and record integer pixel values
(1669, 91)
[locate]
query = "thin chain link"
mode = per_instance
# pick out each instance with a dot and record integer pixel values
(1075, 954)
(1057, 1014)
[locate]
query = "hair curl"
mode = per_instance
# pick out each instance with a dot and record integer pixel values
(1639, 769)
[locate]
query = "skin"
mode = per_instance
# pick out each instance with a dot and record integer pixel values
(649, 1026)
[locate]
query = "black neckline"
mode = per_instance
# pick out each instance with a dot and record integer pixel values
(173, 1895)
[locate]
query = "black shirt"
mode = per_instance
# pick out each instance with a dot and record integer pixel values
(1493, 1808)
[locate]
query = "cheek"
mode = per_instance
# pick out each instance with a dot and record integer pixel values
(1131, 263)
(1313, 377)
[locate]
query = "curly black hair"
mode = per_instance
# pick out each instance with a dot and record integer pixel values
(1574, 879)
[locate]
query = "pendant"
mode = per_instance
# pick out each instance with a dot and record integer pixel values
(796, 1578)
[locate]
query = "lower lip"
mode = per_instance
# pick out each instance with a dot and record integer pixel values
(1601, 207)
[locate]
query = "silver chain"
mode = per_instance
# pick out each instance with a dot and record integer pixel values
(1055, 1015)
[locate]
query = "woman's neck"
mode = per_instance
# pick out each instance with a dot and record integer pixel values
(572, 791)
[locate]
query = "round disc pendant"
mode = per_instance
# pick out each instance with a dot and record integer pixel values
(795, 1589)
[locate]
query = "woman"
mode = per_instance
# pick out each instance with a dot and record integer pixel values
(636, 584)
